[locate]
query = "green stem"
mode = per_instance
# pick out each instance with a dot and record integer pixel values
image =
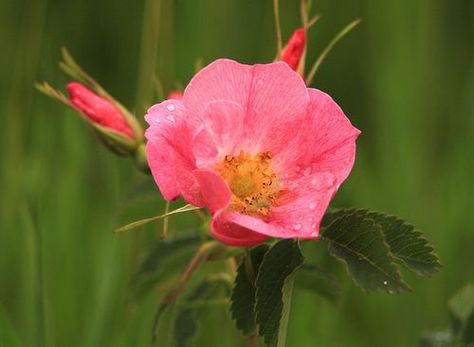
(276, 11)
(328, 49)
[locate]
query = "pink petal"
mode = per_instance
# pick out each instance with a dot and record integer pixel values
(169, 152)
(223, 79)
(215, 192)
(276, 108)
(325, 143)
(233, 234)
(273, 97)
(219, 134)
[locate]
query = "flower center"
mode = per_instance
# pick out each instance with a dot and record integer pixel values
(252, 182)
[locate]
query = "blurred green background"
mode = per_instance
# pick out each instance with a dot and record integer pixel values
(405, 77)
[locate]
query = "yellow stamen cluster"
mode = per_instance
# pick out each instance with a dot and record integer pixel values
(252, 182)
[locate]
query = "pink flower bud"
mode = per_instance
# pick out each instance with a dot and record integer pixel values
(294, 49)
(175, 95)
(98, 109)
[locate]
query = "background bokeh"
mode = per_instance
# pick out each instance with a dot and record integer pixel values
(405, 77)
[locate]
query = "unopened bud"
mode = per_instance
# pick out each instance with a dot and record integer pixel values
(98, 109)
(294, 49)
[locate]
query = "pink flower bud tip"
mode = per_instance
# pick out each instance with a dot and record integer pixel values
(175, 95)
(294, 49)
(98, 109)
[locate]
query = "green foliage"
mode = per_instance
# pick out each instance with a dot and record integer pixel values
(243, 295)
(359, 242)
(372, 244)
(273, 297)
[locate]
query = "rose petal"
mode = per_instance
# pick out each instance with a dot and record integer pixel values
(233, 234)
(220, 133)
(169, 152)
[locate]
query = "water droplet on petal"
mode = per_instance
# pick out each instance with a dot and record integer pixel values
(170, 118)
(312, 206)
(298, 226)
(314, 181)
(171, 107)
(298, 168)
(307, 171)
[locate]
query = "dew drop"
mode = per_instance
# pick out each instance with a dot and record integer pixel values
(312, 206)
(385, 283)
(298, 226)
(170, 118)
(170, 107)
(307, 171)
(298, 169)
(314, 181)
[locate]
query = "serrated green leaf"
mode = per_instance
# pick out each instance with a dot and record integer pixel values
(359, 242)
(408, 246)
(243, 295)
(311, 278)
(274, 283)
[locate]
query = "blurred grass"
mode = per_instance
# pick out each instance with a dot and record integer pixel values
(404, 77)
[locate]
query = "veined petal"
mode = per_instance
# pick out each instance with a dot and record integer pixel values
(169, 152)
(325, 142)
(224, 79)
(220, 133)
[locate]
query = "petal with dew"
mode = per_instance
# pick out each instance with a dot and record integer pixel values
(169, 152)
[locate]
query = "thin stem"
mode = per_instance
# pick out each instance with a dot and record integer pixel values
(166, 222)
(328, 49)
(276, 11)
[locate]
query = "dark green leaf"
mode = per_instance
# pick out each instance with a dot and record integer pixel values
(311, 278)
(276, 270)
(243, 294)
(407, 245)
(360, 243)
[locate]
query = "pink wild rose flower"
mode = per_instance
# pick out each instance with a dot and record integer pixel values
(256, 147)
(98, 109)
(294, 49)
